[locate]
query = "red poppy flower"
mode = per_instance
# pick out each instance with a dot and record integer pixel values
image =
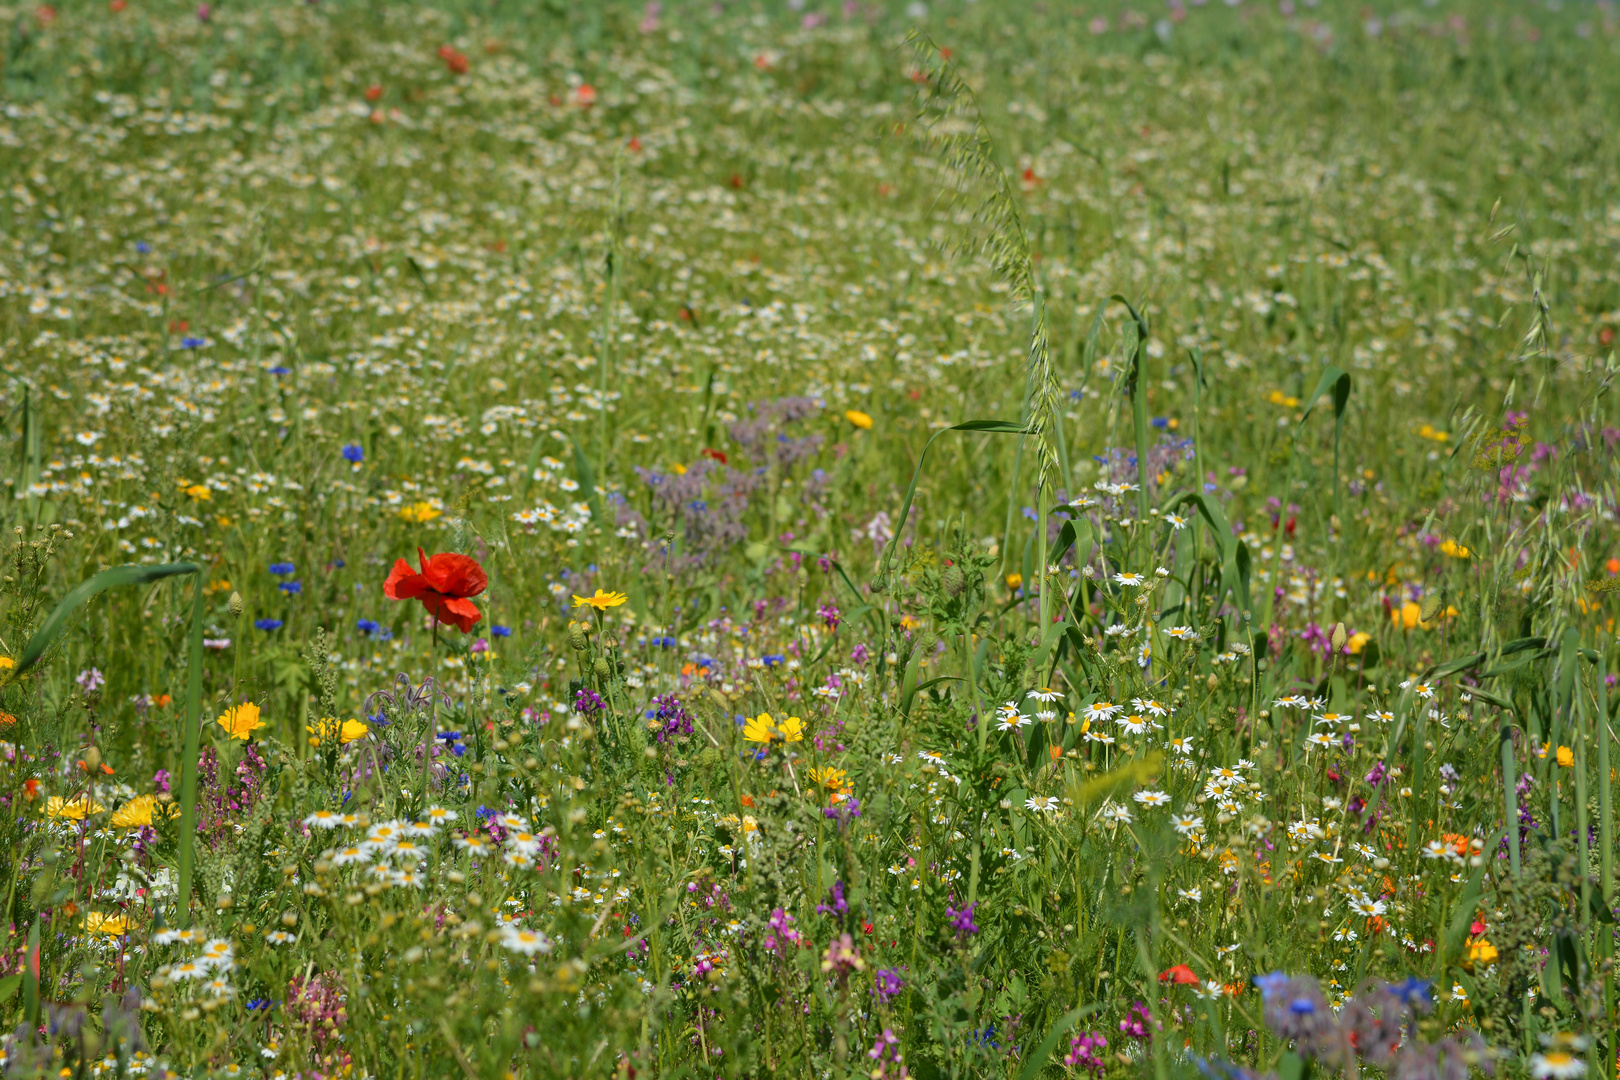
(444, 584)
(1181, 975)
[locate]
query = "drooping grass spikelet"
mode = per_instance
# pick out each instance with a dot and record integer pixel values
(950, 123)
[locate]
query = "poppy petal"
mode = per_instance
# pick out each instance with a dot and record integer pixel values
(403, 582)
(463, 613)
(455, 575)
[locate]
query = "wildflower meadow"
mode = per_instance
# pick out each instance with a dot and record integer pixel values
(820, 538)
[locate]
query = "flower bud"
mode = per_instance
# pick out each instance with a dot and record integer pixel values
(1339, 637)
(576, 637)
(236, 604)
(601, 668)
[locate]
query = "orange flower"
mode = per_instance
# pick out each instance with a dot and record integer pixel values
(1180, 975)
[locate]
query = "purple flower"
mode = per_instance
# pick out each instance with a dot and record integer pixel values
(588, 703)
(830, 614)
(670, 716)
(1084, 1052)
(835, 904)
(888, 982)
(90, 680)
(844, 810)
(962, 919)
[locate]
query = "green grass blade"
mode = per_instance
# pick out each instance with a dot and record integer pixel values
(1043, 1053)
(1338, 381)
(188, 763)
(1003, 427)
(83, 593)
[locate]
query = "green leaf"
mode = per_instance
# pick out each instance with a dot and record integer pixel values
(1005, 427)
(8, 986)
(1061, 545)
(1130, 774)
(1453, 666)
(908, 686)
(1048, 639)
(587, 483)
(1213, 514)
(1043, 1053)
(1241, 564)
(83, 593)
(1338, 381)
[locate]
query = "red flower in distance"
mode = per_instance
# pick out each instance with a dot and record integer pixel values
(1181, 975)
(444, 584)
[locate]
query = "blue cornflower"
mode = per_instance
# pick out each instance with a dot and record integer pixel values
(291, 588)
(193, 342)
(281, 569)
(1412, 992)
(1270, 984)
(143, 247)
(773, 659)
(367, 626)
(1160, 422)
(500, 631)
(663, 642)
(354, 452)
(268, 624)
(280, 370)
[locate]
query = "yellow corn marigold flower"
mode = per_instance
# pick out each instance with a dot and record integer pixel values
(1566, 756)
(859, 419)
(418, 513)
(75, 809)
(600, 600)
(200, 492)
(100, 922)
(135, 814)
(830, 778)
(240, 721)
(1481, 951)
(763, 729)
(328, 729)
